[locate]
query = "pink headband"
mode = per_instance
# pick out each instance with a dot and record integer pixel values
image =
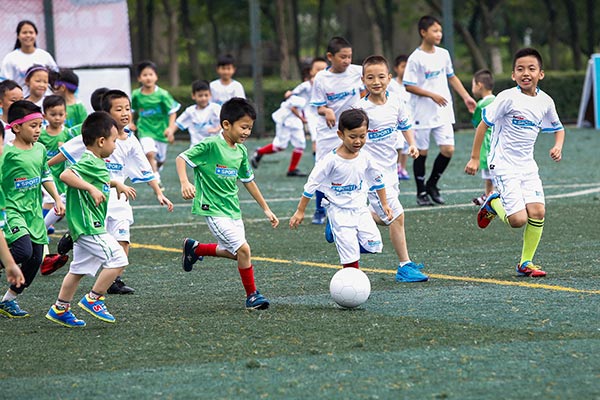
(26, 118)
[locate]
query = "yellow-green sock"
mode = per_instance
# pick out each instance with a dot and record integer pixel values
(497, 206)
(531, 238)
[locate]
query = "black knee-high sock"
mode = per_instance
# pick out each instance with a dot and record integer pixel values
(439, 166)
(419, 172)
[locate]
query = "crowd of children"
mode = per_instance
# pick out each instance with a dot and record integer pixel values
(364, 125)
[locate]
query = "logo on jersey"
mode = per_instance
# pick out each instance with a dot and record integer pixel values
(149, 112)
(432, 74)
(522, 122)
(51, 153)
(339, 189)
(339, 96)
(225, 172)
(379, 135)
(27, 184)
(113, 166)
(97, 224)
(106, 187)
(205, 207)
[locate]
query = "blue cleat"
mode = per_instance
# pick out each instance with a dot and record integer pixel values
(328, 233)
(11, 309)
(257, 301)
(411, 273)
(486, 213)
(97, 308)
(189, 256)
(64, 317)
(319, 217)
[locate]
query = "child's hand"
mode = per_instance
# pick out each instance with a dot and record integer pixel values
(59, 208)
(188, 191)
(388, 212)
(170, 135)
(556, 154)
(330, 117)
(125, 190)
(472, 166)
(272, 217)
(471, 104)
(97, 196)
(131, 125)
(439, 100)
(413, 152)
(14, 275)
(164, 201)
(296, 219)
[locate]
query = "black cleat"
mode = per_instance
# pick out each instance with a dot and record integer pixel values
(434, 193)
(65, 244)
(296, 172)
(423, 199)
(119, 287)
(255, 159)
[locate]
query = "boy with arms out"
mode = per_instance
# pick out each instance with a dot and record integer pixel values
(516, 117)
(201, 119)
(428, 72)
(89, 183)
(226, 87)
(218, 163)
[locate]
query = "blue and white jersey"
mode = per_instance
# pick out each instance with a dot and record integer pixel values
(398, 89)
(337, 91)
(197, 121)
(516, 119)
(220, 93)
(345, 182)
(430, 71)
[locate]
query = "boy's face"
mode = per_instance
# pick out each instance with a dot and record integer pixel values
(29, 132)
(399, 69)
(201, 97)
(226, 72)
(10, 96)
(239, 131)
(316, 67)
(55, 116)
(148, 77)
(433, 34)
(476, 88)
(120, 110)
(38, 83)
(340, 60)
(354, 139)
(106, 146)
(527, 73)
(376, 78)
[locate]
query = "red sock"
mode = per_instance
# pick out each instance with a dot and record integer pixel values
(247, 275)
(296, 156)
(206, 249)
(351, 265)
(268, 149)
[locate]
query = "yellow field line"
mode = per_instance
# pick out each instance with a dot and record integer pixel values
(387, 271)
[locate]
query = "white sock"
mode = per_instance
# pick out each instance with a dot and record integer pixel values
(51, 218)
(9, 296)
(403, 263)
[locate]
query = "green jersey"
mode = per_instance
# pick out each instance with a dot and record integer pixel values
(52, 143)
(84, 217)
(485, 146)
(153, 112)
(23, 172)
(76, 130)
(2, 202)
(76, 114)
(217, 167)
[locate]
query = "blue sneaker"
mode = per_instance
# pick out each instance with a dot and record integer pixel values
(64, 317)
(411, 273)
(319, 217)
(11, 309)
(486, 213)
(257, 301)
(328, 233)
(96, 307)
(189, 256)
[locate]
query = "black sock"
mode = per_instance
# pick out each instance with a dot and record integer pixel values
(419, 172)
(439, 166)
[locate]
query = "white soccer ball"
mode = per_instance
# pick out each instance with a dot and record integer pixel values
(350, 287)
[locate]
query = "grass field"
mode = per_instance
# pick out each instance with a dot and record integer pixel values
(474, 331)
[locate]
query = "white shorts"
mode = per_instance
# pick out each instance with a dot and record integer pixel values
(230, 233)
(325, 146)
(154, 146)
(348, 225)
(285, 134)
(90, 252)
(119, 229)
(443, 135)
(486, 174)
(391, 193)
(47, 199)
(518, 190)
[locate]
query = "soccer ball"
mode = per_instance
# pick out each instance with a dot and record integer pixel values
(350, 287)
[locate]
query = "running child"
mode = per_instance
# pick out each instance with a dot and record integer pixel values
(226, 87)
(201, 120)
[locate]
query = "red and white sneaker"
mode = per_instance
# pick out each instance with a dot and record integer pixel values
(486, 213)
(52, 262)
(529, 269)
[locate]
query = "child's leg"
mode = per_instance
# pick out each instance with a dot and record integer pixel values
(69, 287)
(398, 239)
(489, 187)
(29, 256)
(533, 231)
(105, 278)
(299, 142)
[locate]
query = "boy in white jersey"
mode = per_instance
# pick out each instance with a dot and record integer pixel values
(345, 175)
(428, 72)
(335, 90)
(388, 115)
(226, 87)
(218, 163)
(10, 91)
(516, 117)
(201, 120)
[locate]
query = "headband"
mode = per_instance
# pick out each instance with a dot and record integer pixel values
(26, 118)
(72, 87)
(35, 69)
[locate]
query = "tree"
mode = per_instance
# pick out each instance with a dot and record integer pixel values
(190, 40)
(284, 59)
(172, 23)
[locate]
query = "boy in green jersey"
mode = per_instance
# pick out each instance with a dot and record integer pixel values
(88, 187)
(24, 171)
(218, 162)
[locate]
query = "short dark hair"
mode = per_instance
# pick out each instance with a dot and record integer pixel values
(485, 77)
(111, 95)
(352, 119)
(98, 124)
(20, 25)
(145, 64)
(53, 101)
(426, 21)
(525, 52)
(336, 44)
(96, 98)
(200, 84)
(20, 109)
(375, 60)
(7, 85)
(67, 78)
(400, 59)
(235, 109)
(225, 59)
(318, 59)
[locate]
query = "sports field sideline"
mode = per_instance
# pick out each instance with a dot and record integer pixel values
(474, 331)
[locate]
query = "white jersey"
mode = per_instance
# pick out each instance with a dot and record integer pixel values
(336, 91)
(345, 182)
(197, 121)
(430, 71)
(398, 89)
(284, 114)
(16, 63)
(516, 119)
(221, 93)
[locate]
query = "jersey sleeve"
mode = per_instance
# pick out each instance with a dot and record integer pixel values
(184, 121)
(215, 120)
(496, 109)
(374, 176)
(295, 101)
(169, 103)
(195, 155)
(135, 100)
(45, 172)
(138, 167)
(411, 73)
(404, 117)
(551, 122)
(239, 91)
(316, 177)
(476, 115)
(245, 173)
(317, 95)
(449, 68)
(73, 149)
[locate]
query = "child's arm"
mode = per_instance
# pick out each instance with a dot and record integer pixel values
(298, 216)
(328, 114)
(384, 204)
(123, 189)
(439, 100)
(59, 207)
(170, 131)
(254, 191)
(14, 275)
(298, 114)
(188, 191)
(57, 159)
(70, 178)
(162, 199)
(556, 150)
(462, 92)
(473, 164)
(413, 152)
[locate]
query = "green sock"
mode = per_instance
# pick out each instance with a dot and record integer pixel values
(497, 206)
(531, 238)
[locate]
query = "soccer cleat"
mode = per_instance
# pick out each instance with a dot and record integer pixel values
(119, 287)
(11, 309)
(319, 217)
(255, 159)
(529, 269)
(50, 230)
(423, 199)
(189, 256)
(328, 233)
(434, 193)
(478, 201)
(403, 174)
(64, 317)
(96, 307)
(257, 301)
(296, 172)
(411, 273)
(53, 262)
(486, 213)
(65, 244)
